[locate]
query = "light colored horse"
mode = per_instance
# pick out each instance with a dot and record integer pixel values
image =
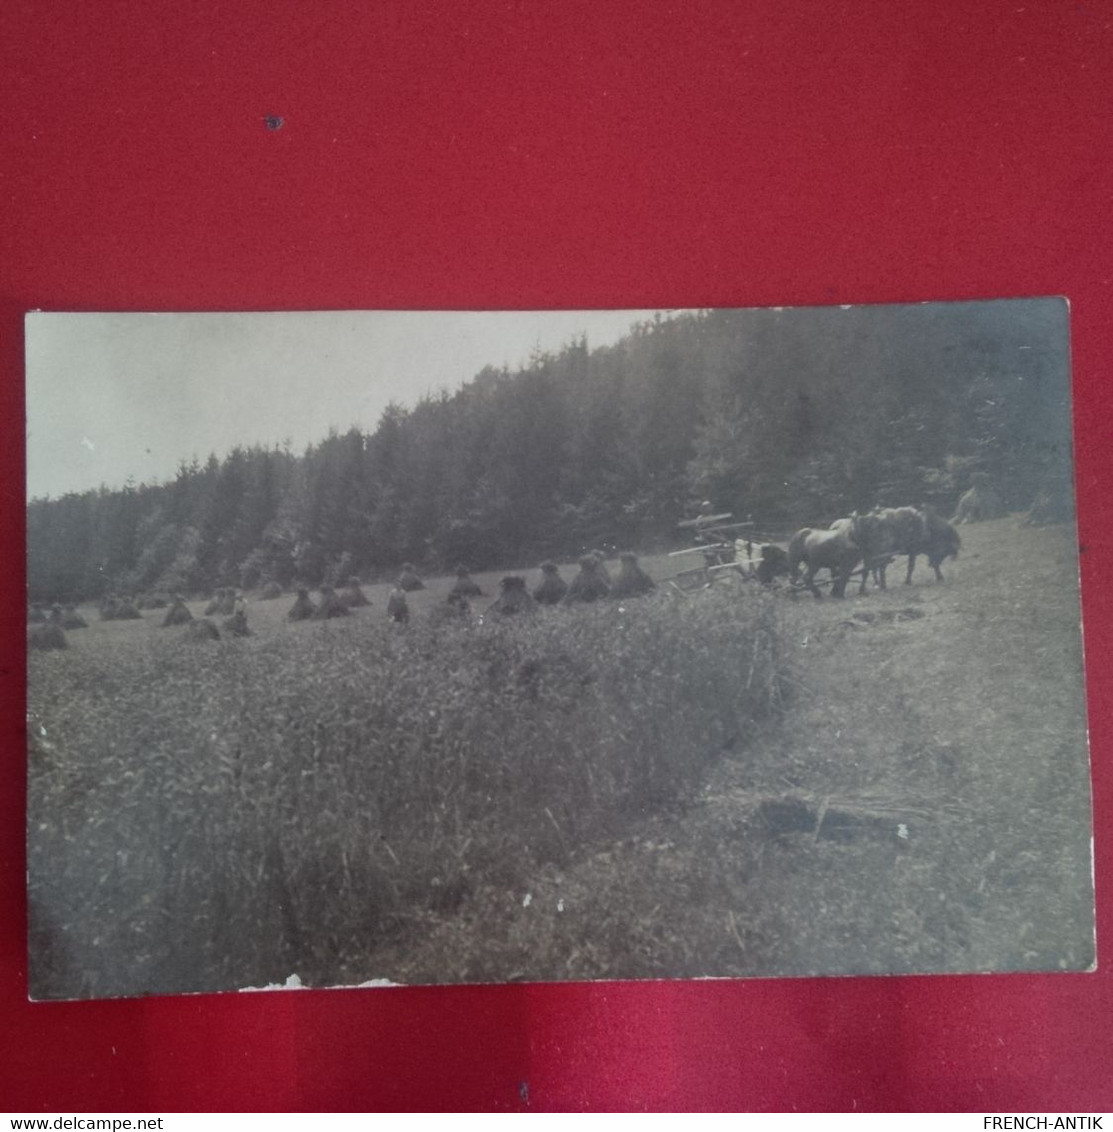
(836, 550)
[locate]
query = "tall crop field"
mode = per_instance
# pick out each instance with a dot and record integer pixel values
(306, 800)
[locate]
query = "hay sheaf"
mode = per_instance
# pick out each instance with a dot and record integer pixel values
(353, 594)
(114, 608)
(177, 614)
(397, 608)
(589, 584)
(270, 592)
(980, 504)
(202, 630)
(302, 609)
(513, 598)
(223, 603)
(330, 605)
(408, 580)
(71, 619)
(600, 557)
(632, 580)
(465, 585)
(552, 588)
(47, 636)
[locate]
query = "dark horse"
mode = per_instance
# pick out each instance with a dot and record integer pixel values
(941, 541)
(903, 530)
(838, 551)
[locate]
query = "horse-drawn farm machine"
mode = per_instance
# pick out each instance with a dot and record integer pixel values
(729, 550)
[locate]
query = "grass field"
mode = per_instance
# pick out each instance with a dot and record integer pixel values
(725, 783)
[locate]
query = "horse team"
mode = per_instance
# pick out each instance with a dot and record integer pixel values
(865, 544)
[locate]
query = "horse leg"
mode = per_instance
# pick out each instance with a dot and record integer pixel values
(838, 589)
(868, 571)
(877, 571)
(809, 581)
(934, 562)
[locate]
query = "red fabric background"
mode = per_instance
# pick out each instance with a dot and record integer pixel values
(571, 154)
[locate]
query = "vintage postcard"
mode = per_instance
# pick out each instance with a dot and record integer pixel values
(446, 647)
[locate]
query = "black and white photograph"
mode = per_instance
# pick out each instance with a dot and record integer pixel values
(429, 647)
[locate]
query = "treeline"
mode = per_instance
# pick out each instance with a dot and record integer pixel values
(791, 416)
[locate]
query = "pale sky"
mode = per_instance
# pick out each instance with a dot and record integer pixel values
(113, 395)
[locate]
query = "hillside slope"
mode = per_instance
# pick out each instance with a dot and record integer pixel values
(924, 806)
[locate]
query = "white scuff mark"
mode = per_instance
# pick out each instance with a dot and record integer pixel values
(293, 982)
(87, 443)
(42, 731)
(902, 831)
(560, 904)
(527, 900)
